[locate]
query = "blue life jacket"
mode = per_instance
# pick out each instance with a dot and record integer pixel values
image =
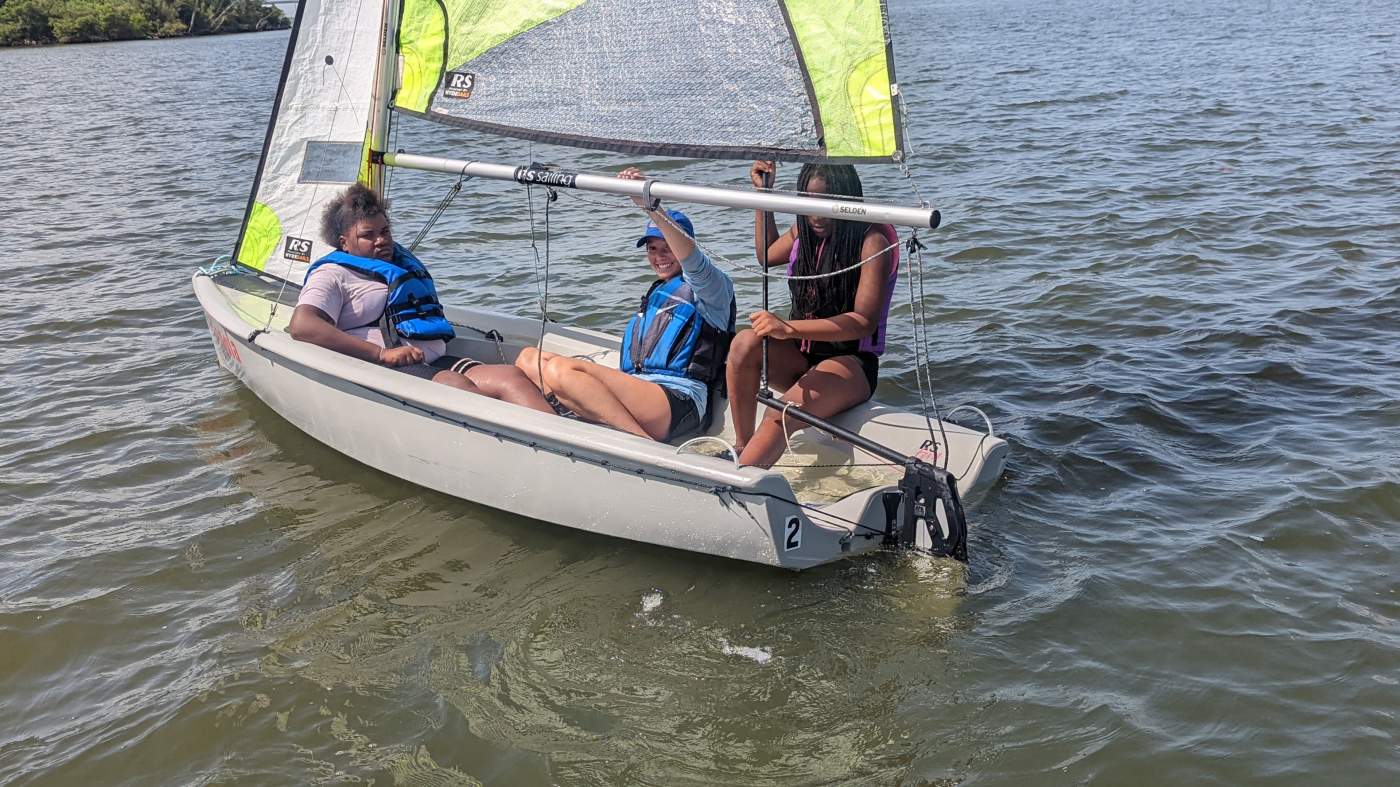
(412, 308)
(668, 335)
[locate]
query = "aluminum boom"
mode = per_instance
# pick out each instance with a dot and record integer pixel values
(876, 213)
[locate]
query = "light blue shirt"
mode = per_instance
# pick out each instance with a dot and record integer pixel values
(714, 291)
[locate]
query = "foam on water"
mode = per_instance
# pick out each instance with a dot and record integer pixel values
(756, 655)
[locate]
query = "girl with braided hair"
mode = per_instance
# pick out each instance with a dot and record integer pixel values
(826, 354)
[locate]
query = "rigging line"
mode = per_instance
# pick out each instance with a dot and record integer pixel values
(549, 197)
(883, 463)
(902, 157)
(787, 440)
(782, 419)
(847, 269)
(534, 247)
(920, 359)
(921, 346)
(442, 206)
(539, 343)
(267, 326)
(923, 307)
(543, 304)
(544, 308)
(976, 451)
(618, 201)
(913, 184)
(922, 343)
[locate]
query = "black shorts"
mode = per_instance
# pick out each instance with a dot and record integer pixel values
(445, 363)
(869, 363)
(685, 417)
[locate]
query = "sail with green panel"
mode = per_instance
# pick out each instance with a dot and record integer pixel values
(794, 80)
(317, 136)
(797, 80)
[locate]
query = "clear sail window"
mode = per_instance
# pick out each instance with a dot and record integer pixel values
(330, 162)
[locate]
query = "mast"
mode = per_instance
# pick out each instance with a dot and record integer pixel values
(872, 212)
(386, 75)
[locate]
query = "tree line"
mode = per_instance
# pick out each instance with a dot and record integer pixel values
(29, 22)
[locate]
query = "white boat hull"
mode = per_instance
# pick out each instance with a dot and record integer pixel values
(558, 470)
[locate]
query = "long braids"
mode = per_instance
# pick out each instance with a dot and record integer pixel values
(825, 297)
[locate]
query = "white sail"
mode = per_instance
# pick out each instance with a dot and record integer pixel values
(318, 137)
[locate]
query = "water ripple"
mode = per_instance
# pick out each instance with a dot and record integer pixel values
(1173, 289)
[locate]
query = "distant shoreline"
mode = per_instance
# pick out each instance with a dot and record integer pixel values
(25, 23)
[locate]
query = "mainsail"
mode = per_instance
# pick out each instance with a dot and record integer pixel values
(783, 79)
(796, 80)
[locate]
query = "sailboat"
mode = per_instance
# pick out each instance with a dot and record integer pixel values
(793, 80)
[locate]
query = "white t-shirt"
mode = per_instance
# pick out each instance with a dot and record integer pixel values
(355, 302)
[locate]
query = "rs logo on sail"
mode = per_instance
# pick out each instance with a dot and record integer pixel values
(458, 84)
(297, 249)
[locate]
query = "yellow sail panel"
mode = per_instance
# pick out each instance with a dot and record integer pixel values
(260, 236)
(422, 34)
(482, 26)
(476, 28)
(845, 52)
(801, 80)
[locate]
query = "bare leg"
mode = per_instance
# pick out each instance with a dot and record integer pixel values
(530, 361)
(830, 387)
(785, 364)
(610, 396)
(509, 384)
(456, 381)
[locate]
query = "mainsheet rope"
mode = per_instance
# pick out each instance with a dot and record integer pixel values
(919, 329)
(541, 284)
